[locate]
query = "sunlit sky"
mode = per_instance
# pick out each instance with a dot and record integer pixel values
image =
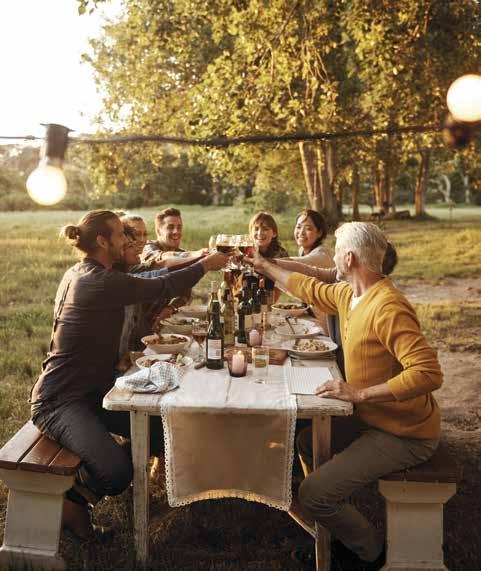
(42, 78)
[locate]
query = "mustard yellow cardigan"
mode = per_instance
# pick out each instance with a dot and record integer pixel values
(382, 342)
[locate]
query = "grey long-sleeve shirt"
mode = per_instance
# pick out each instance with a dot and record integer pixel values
(88, 318)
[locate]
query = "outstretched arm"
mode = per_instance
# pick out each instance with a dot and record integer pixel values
(327, 275)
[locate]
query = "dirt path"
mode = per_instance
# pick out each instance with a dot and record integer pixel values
(468, 289)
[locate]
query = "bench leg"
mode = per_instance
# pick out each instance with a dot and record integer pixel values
(414, 517)
(33, 520)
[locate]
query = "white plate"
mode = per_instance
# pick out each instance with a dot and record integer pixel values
(149, 341)
(178, 324)
(330, 346)
(303, 328)
(199, 311)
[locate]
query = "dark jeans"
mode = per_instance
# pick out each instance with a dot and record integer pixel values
(84, 427)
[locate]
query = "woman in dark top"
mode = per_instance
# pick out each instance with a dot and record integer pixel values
(79, 368)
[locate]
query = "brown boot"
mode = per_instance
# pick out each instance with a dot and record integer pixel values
(76, 519)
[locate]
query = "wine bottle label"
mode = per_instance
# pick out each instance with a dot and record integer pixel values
(248, 322)
(214, 349)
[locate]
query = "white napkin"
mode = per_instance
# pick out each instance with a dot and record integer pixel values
(160, 378)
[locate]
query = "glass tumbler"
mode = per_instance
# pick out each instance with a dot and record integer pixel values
(260, 364)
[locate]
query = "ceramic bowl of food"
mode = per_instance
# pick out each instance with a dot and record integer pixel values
(290, 309)
(166, 342)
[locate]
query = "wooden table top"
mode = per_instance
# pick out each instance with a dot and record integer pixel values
(307, 405)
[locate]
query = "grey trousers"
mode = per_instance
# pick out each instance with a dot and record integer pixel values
(362, 454)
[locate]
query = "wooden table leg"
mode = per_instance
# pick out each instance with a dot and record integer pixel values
(140, 436)
(321, 448)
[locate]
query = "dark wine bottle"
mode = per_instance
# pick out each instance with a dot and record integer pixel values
(255, 306)
(245, 307)
(241, 328)
(214, 345)
(228, 317)
(263, 298)
(213, 297)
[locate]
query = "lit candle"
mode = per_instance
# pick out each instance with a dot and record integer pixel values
(238, 363)
(255, 338)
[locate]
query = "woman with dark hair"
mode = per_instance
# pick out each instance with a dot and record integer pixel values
(263, 229)
(310, 232)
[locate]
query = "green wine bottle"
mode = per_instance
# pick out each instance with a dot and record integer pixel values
(214, 346)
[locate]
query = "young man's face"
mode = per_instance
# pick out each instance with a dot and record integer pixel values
(117, 241)
(170, 232)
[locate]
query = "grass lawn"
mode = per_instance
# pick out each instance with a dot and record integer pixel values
(227, 535)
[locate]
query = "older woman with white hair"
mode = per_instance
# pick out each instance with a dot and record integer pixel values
(391, 372)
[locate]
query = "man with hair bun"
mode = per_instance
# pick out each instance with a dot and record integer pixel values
(391, 372)
(80, 365)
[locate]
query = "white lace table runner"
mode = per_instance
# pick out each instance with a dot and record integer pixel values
(229, 438)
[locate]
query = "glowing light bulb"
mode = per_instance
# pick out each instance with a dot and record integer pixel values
(47, 184)
(464, 98)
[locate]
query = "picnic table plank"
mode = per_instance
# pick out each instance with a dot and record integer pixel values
(16, 448)
(39, 457)
(65, 463)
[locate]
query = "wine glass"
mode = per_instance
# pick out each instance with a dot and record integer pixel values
(199, 333)
(246, 247)
(224, 243)
(212, 243)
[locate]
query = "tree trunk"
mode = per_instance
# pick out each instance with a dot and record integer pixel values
(308, 160)
(422, 182)
(356, 185)
(325, 166)
(378, 184)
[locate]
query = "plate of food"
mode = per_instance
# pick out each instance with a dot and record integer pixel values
(179, 360)
(300, 328)
(147, 361)
(291, 308)
(166, 342)
(199, 311)
(311, 348)
(178, 324)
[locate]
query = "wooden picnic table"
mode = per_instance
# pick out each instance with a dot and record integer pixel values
(141, 406)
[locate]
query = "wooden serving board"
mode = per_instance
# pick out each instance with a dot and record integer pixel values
(276, 356)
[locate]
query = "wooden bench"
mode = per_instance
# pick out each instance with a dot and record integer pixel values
(414, 512)
(37, 472)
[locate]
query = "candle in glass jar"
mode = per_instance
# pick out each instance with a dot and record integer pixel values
(255, 338)
(238, 363)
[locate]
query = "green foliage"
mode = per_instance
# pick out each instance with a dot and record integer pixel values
(208, 68)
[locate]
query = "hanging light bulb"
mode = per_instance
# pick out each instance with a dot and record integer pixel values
(47, 184)
(464, 98)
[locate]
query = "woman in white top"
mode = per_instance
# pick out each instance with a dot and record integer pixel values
(309, 232)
